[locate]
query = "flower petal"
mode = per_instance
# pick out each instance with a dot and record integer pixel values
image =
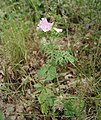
(44, 25)
(58, 30)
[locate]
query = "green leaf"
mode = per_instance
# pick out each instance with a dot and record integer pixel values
(45, 95)
(70, 57)
(51, 74)
(51, 101)
(42, 97)
(38, 85)
(69, 111)
(46, 99)
(42, 71)
(48, 71)
(49, 92)
(44, 108)
(78, 106)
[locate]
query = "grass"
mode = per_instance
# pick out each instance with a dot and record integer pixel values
(50, 75)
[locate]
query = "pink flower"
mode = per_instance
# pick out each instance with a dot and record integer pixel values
(44, 25)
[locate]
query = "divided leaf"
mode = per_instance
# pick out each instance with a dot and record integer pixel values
(48, 72)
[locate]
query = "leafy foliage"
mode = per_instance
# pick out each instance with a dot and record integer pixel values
(48, 72)
(46, 99)
(73, 107)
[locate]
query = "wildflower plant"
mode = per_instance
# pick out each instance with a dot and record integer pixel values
(55, 56)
